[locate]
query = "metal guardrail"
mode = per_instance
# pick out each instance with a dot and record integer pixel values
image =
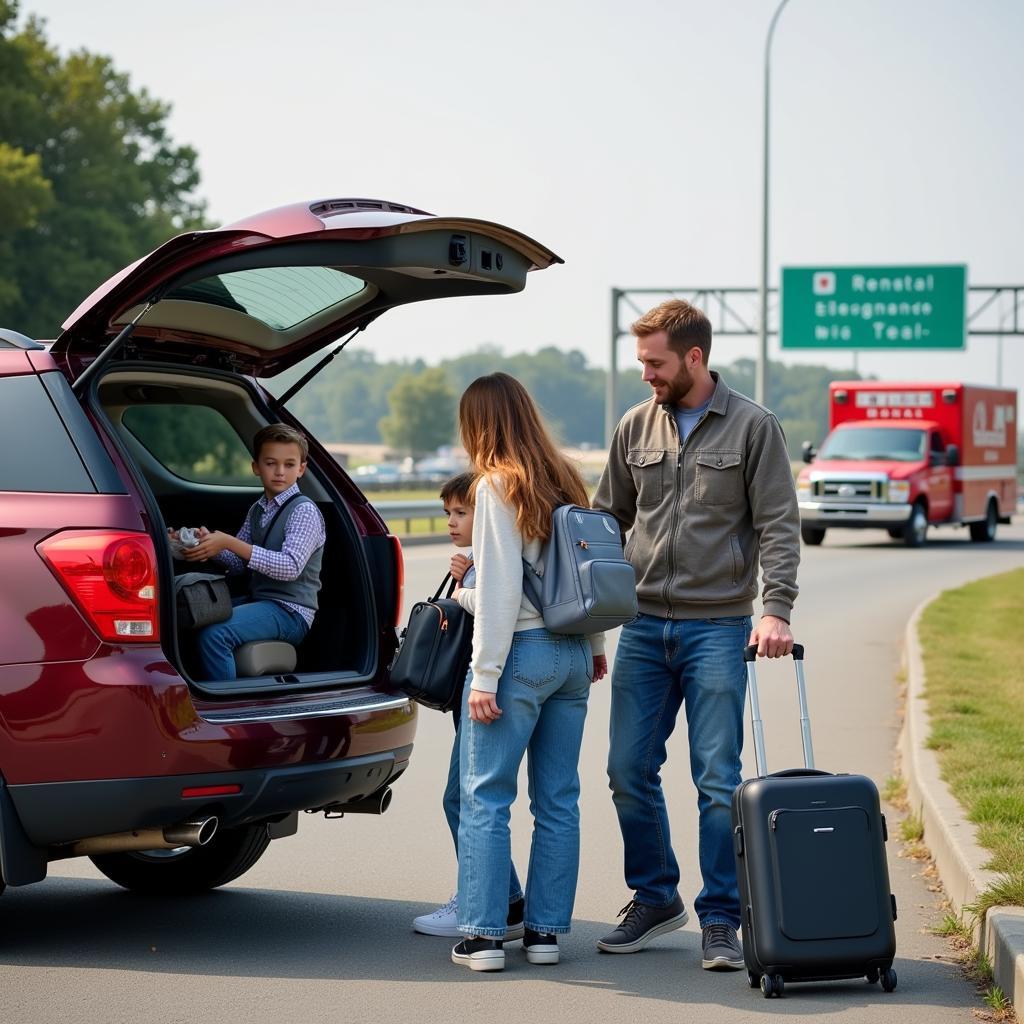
(410, 510)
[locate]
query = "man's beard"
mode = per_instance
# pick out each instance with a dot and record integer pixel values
(677, 388)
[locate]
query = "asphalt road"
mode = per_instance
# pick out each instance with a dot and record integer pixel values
(320, 929)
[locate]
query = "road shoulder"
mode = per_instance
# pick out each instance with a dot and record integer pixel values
(950, 836)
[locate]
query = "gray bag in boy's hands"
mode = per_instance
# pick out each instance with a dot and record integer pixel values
(587, 585)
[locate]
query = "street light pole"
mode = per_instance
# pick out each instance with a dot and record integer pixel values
(761, 375)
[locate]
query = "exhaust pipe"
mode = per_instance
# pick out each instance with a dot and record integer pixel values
(377, 803)
(186, 833)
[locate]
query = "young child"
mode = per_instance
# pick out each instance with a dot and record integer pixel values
(457, 495)
(280, 544)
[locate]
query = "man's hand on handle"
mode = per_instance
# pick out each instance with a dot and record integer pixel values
(773, 637)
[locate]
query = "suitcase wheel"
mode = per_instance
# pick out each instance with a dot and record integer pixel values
(772, 985)
(888, 979)
(753, 980)
(872, 975)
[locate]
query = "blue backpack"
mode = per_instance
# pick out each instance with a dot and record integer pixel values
(587, 585)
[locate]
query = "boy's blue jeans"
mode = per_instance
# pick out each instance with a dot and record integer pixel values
(452, 802)
(542, 694)
(250, 620)
(661, 664)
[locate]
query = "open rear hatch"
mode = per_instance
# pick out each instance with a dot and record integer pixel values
(259, 295)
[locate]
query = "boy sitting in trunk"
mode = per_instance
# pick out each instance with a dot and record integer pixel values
(280, 544)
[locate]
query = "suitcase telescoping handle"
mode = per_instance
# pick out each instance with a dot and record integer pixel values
(757, 726)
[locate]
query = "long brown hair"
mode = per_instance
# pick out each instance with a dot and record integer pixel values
(504, 435)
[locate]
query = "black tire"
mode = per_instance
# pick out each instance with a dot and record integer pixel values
(229, 854)
(915, 533)
(753, 980)
(767, 986)
(985, 531)
(779, 986)
(812, 535)
(896, 533)
(888, 980)
(872, 976)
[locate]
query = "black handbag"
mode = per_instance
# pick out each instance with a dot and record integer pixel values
(202, 599)
(435, 650)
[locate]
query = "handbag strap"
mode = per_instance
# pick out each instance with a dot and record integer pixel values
(451, 588)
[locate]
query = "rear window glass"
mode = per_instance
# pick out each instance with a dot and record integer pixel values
(38, 453)
(279, 297)
(192, 441)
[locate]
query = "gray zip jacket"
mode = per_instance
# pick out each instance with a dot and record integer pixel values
(703, 515)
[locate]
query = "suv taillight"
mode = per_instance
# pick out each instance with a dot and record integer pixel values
(111, 577)
(399, 579)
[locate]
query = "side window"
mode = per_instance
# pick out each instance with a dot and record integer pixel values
(194, 442)
(38, 454)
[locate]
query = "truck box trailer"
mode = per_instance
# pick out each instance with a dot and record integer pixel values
(906, 456)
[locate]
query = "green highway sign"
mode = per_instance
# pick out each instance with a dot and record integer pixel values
(874, 307)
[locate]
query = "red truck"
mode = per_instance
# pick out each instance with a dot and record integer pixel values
(906, 456)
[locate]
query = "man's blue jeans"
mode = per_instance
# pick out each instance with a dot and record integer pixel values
(250, 620)
(543, 696)
(661, 664)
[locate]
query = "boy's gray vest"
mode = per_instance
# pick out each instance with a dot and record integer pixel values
(301, 591)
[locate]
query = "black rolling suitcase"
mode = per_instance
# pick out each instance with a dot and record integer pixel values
(810, 858)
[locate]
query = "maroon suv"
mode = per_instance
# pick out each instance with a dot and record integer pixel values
(110, 747)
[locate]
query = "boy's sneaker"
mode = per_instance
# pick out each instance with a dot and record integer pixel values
(642, 923)
(479, 954)
(541, 947)
(443, 921)
(721, 948)
(514, 922)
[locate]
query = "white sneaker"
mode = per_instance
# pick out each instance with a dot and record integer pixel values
(443, 921)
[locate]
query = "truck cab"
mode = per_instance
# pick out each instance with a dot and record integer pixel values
(907, 456)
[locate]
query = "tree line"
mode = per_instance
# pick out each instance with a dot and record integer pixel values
(89, 177)
(412, 407)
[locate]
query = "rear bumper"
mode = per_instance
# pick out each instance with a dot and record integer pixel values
(62, 812)
(869, 516)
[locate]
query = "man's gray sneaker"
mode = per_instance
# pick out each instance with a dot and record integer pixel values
(721, 948)
(641, 923)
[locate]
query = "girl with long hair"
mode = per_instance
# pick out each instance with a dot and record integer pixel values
(527, 688)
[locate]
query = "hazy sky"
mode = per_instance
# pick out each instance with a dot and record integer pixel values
(626, 136)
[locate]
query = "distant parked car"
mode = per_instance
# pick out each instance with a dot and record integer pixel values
(436, 470)
(379, 473)
(112, 745)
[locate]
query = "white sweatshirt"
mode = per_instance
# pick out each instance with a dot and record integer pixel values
(497, 602)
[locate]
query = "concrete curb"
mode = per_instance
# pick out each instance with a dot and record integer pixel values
(950, 836)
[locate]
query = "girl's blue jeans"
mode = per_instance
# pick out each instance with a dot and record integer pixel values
(542, 694)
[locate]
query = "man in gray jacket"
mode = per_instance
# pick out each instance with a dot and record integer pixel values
(701, 477)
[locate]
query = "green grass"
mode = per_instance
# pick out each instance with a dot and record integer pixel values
(953, 927)
(973, 649)
(895, 790)
(417, 526)
(912, 829)
(996, 1000)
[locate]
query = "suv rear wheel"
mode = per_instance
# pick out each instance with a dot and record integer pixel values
(229, 854)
